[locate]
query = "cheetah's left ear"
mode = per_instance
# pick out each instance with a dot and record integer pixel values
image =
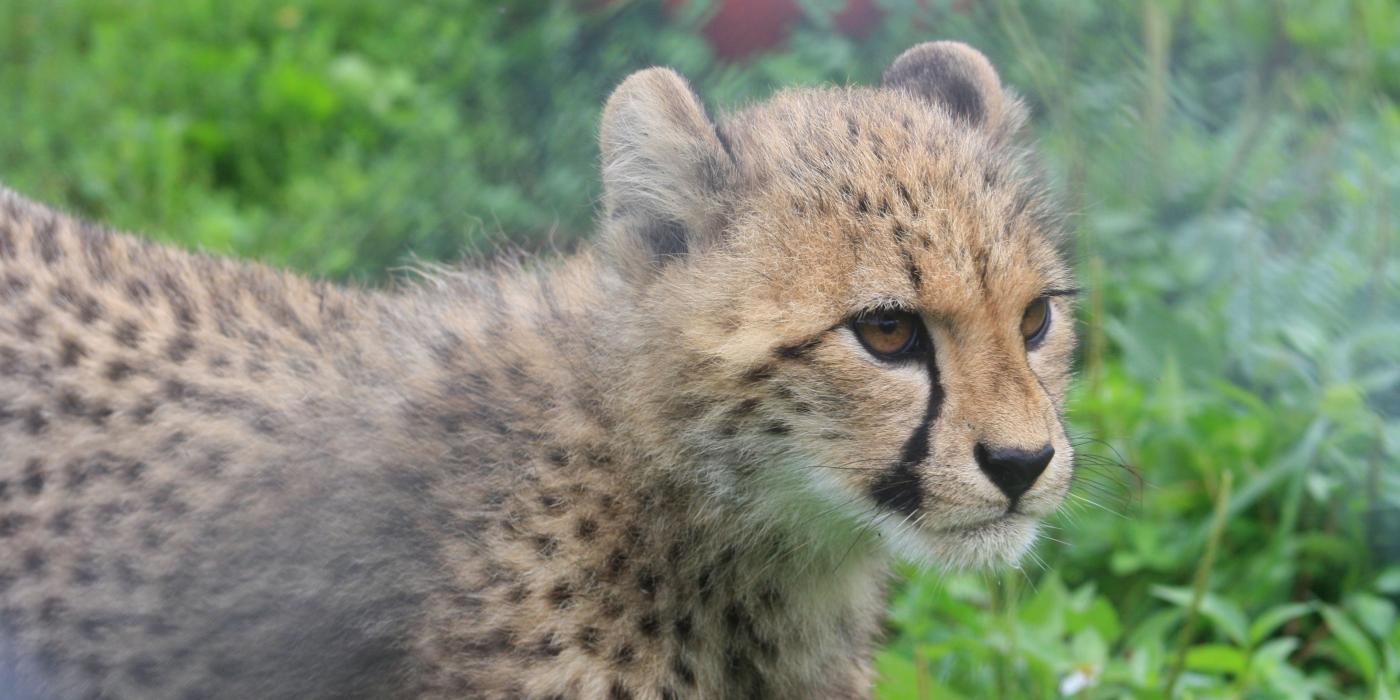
(666, 174)
(958, 78)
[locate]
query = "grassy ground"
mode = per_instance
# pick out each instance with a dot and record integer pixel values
(1235, 172)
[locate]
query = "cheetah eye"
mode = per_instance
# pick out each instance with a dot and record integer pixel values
(888, 334)
(1035, 322)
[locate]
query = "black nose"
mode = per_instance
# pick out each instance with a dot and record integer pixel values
(1013, 470)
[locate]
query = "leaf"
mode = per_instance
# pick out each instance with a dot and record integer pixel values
(1226, 617)
(1389, 580)
(1216, 658)
(1376, 614)
(1273, 618)
(1359, 650)
(895, 675)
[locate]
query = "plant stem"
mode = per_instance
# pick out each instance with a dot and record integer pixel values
(1217, 530)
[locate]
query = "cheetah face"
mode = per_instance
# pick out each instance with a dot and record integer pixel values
(864, 289)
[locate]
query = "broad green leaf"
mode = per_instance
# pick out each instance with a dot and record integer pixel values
(1389, 580)
(1376, 614)
(1271, 619)
(1225, 616)
(1359, 650)
(1216, 658)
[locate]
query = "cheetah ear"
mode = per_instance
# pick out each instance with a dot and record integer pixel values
(666, 173)
(955, 76)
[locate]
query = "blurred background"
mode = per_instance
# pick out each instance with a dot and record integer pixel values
(1233, 170)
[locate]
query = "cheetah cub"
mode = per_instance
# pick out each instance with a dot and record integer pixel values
(827, 330)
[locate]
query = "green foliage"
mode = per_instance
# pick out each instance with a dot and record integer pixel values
(1233, 168)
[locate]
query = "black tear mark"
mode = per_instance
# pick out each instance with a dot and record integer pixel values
(899, 488)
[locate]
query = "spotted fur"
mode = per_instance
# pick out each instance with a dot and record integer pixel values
(663, 468)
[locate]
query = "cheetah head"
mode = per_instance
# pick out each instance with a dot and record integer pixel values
(849, 304)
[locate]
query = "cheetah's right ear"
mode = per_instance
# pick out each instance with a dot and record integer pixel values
(666, 173)
(958, 78)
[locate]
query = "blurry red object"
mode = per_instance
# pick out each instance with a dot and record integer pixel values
(742, 28)
(857, 17)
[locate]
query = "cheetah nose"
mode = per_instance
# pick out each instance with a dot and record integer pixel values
(1012, 469)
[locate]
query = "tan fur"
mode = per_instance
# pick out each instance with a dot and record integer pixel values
(648, 471)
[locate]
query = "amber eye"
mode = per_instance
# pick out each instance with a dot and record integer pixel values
(887, 334)
(1036, 321)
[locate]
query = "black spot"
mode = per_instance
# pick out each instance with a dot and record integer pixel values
(548, 646)
(618, 691)
(683, 671)
(7, 243)
(33, 477)
(93, 627)
(684, 628)
(649, 625)
(99, 412)
(759, 373)
(127, 334)
(13, 286)
(10, 364)
(736, 618)
(84, 573)
(586, 528)
(916, 277)
(71, 403)
(29, 324)
(668, 240)
(145, 672)
(62, 522)
(132, 471)
(546, 546)
(227, 668)
(518, 594)
(12, 523)
(702, 584)
(612, 608)
(138, 291)
(179, 348)
(53, 610)
(798, 351)
(118, 370)
(70, 352)
(46, 241)
(561, 595)
(624, 655)
(616, 563)
(141, 412)
(34, 421)
(770, 598)
(588, 639)
(777, 428)
(34, 561)
(908, 200)
(647, 582)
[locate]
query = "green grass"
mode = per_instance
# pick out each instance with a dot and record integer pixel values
(1234, 173)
